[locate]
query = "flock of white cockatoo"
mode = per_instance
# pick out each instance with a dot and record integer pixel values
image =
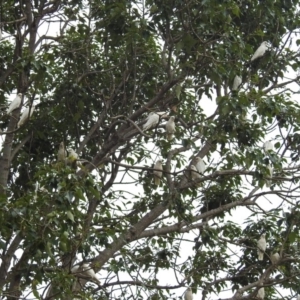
(26, 114)
(151, 121)
(196, 169)
(260, 51)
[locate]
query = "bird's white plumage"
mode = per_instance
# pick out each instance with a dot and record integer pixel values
(27, 113)
(157, 174)
(86, 270)
(261, 293)
(170, 128)
(268, 146)
(260, 51)
(200, 165)
(237, 81)
(90, 272)
(153, 119)
(298, 297)
(269, 182)
(75, 269)
(195, 174)
(15, 103)
(261, 245)
(188, 295)
(275, 257)
(62, 153)
(73, 156)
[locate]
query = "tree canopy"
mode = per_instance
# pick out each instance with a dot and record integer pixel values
(90, 73)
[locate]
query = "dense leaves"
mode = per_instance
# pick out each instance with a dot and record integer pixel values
(95, 70)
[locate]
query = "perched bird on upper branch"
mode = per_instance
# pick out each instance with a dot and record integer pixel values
(188, 295)
(269, 182)
(170, 128)
(62, 153)
(260, 51)
(261, 293)
(15, 103)
(268, 146)
(90, 272)
(157, 174)
(200, 165)
(153, 119)
(195, 175)
(237, 81)
(27, 113)
(275, 257)
(86, 270)
(261, 245)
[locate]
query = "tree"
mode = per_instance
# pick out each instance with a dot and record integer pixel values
(94, 71)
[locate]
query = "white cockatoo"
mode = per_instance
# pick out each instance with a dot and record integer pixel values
(15, 103)
(73, 156)
(170, 128)
(195, 175)
(75, 269)
(237, 81)
(268, 146)
(90, 272)
(62, 153)
(188, 295)
(269, 182)
(200, 165)
(275, 257)
(27, 113)
(153, 119)
(86, 270)
(261, 293)
(260, 51)
(261, 245)
(157, 174)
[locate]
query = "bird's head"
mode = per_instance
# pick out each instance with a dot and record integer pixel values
(172, 118)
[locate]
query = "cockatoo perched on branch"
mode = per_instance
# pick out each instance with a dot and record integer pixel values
(195, 175)
(260, 51)
(15, 103)
(170, 128)
(261, 245)
(200, 165)
(268, 146)
(157, 174)
(62, 153)
(261, 293)
(73, 156)
(90, 272)
(269, 182)
(188, 295)
(237, 81)
(85, 270)
(275, 257)
(153, 119)
(27, 113)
